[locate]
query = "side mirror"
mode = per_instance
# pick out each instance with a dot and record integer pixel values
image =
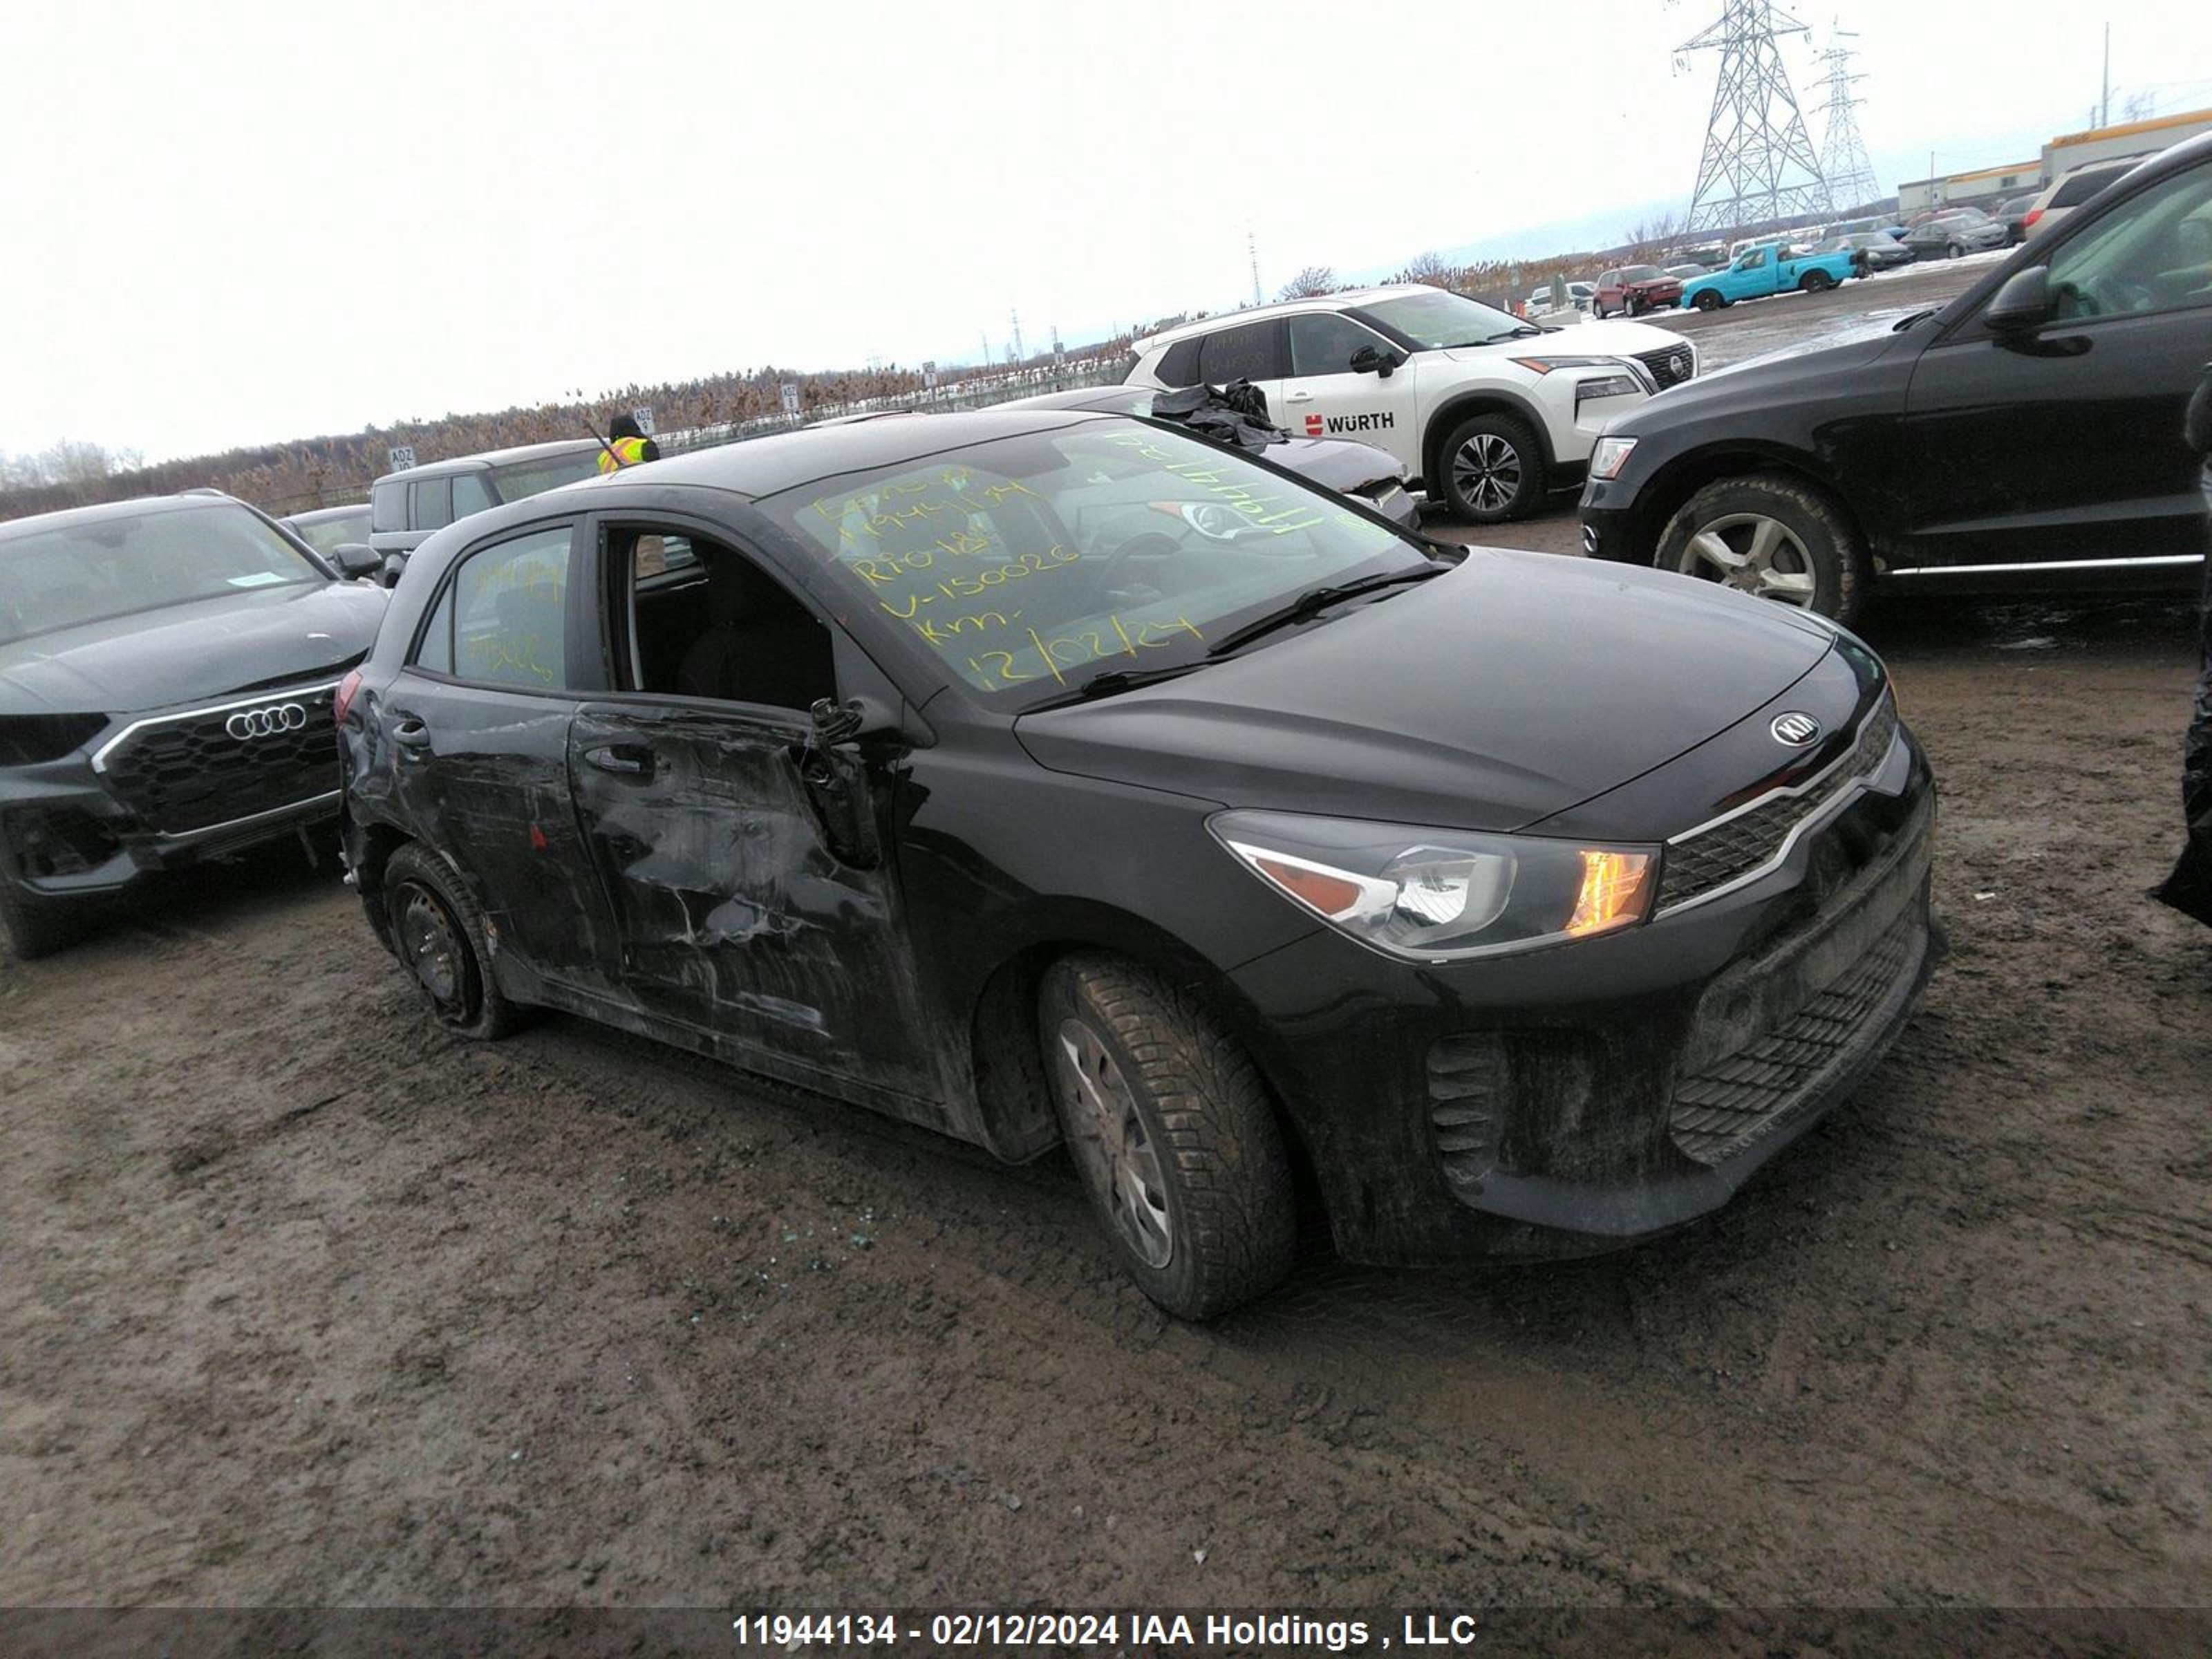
(393, 564)
(357, 559)
(2023, 303)
(837, 723)
(1373, 360)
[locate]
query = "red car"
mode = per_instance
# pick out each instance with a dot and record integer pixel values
(1634, 289)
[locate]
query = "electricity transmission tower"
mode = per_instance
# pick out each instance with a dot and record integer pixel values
(1758, 163)
(1851, 182)
(1252, 247)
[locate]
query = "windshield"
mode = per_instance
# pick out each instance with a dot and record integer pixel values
(1437, 320)
(112, 567)
(1026, 566)
(525, 478)
(1643, 274)
(326, 536)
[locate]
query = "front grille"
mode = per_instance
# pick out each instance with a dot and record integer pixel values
(1669, 365)
(1467, 1106)
(1707, 859)
(1733, 1105)
(188, 772)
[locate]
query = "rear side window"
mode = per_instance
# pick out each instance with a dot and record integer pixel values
(2081, 187)
(502, 619)
(432, 507)
(470, 493)
(1179, 366)
(1253, 352)
(387, 506)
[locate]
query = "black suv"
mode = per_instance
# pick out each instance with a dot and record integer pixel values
(166, 672)
(2027, 434)
(1042, 776)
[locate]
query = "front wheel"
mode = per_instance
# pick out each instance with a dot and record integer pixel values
(1955, 251)
(29, 929)
(1708, 299)
(440, 935)
(1493, 469)
(1772, 537)
(1173, 1133)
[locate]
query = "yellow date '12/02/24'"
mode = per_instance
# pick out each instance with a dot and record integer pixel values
(1076, 648)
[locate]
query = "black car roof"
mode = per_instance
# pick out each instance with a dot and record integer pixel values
(39, 523)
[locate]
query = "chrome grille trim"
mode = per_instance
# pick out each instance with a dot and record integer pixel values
(1822, 794)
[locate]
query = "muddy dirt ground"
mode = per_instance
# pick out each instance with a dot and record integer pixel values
(305, 1303)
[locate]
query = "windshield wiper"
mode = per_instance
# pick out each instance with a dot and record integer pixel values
(1903, 323)
(1525, 331)
(1308, 605)
(1312, 603)
(1115, 680)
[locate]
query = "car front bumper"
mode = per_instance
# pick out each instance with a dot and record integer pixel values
(71, 832)
(1582, 1097)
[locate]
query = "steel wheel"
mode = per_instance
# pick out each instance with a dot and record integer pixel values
(1486, 472)
(1109, 1138)
(1752, 554)
(430, 945)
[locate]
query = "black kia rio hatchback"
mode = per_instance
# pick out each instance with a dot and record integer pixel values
(1047, 777)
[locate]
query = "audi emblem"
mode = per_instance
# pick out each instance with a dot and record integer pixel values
(1795, 730)
(279, 717)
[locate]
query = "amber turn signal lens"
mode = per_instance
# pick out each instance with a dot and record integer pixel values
(1330, 895)
(1615, 891)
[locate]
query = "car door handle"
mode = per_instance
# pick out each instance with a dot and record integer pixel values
(623, 760)
(1299, 397)
(411, 732)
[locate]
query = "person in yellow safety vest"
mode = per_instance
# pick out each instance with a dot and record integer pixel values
(628, 440)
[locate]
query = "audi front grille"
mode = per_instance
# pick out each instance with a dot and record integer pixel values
(183, 774)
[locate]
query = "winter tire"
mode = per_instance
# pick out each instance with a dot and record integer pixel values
(1173, 1133)
(1771, 537)
(1708, 299)
(439, 933)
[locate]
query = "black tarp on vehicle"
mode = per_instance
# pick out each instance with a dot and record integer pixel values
(2189, 889)
(1235, 415)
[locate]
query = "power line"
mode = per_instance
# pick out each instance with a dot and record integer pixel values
(1758, 163)
(1851, 181)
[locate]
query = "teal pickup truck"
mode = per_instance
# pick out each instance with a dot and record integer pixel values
(1760, 271)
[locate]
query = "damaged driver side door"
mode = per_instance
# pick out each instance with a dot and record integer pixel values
(754, 903)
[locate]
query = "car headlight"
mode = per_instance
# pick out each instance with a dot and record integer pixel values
(1610, 456)
(1546, 365)
(1610, 385)
(1443, 895)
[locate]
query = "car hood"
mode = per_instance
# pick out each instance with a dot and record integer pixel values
(1587, 339)
(1335, 464)
(1508, 691)
(1820, 365)
(185, 653)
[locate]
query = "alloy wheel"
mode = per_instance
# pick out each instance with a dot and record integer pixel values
(1110, 1139)
(1486, 472)
(1753, 554)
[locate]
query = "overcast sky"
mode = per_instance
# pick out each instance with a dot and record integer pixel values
(229, 224)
